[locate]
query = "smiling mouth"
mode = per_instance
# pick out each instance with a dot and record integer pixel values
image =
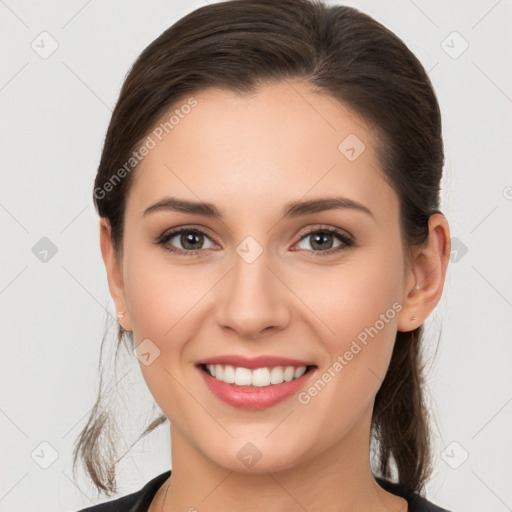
(257, 377)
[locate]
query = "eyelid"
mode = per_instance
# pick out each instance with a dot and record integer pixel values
(324, 227)
(185, 227)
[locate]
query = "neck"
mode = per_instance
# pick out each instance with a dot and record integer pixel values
(341, 476)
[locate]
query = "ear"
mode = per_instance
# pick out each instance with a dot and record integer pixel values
(114, 273)
(425, 275)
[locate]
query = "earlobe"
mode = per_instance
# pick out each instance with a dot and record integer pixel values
(426, 275)
(114, 272)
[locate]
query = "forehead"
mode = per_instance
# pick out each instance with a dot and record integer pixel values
(282, 142)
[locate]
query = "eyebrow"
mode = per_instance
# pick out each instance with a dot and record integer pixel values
(291, 210)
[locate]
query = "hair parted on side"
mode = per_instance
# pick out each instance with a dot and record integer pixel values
(243, 44)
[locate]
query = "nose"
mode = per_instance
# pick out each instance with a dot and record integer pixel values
(254, 301)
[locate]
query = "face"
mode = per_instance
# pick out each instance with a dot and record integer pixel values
(320, 288)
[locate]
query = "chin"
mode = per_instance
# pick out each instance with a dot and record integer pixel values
(257, 457)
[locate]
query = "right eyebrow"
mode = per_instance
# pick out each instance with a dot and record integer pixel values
(184, 206)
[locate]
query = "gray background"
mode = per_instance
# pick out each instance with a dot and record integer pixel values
(54, 114)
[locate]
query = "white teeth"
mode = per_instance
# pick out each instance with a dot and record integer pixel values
(299, 372)
(259, 377)
(288, 373)
(242, 377)
(276, 375)
(229, 374)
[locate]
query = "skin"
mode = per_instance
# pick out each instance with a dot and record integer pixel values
(249, 155)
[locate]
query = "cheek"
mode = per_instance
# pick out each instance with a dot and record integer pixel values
(164, 301)
(161, 301)
(358, 304)
(159, 295)
(352, 296)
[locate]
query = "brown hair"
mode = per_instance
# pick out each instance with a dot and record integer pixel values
(240, 45)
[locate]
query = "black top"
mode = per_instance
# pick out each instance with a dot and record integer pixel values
(139, 501)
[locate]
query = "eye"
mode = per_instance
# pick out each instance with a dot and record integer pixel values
(191, 240)
(323, 240)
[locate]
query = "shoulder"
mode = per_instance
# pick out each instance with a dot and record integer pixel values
(138, 501)
(415, 502)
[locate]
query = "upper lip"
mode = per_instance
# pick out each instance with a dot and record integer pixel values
(254, 362)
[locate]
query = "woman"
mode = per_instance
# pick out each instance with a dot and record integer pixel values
(268, 195)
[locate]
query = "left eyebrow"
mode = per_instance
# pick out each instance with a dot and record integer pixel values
(298, 208)
(291, 210)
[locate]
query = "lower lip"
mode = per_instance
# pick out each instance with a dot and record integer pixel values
(253, 397)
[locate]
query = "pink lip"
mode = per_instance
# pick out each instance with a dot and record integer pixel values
(255, 362)
(253, 397)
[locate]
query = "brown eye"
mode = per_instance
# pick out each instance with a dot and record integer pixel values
(190, 240)
(323, 240)
(185, 241)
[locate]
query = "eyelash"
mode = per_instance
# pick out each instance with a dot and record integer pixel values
(345, 239)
